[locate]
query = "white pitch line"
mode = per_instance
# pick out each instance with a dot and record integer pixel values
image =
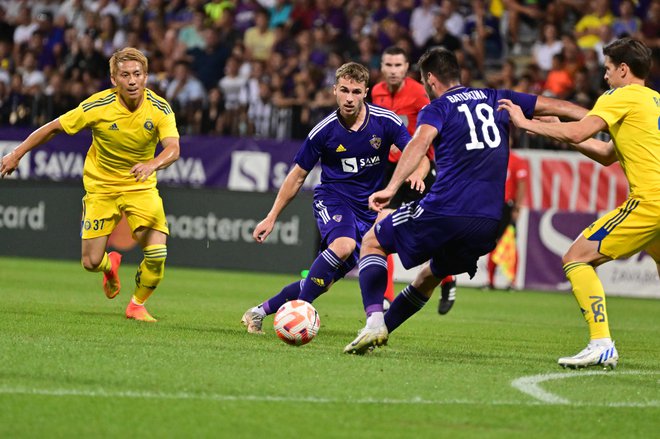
(530, 386)
(103, 393)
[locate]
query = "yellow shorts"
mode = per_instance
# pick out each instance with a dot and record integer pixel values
(630, 228)
(102, 212)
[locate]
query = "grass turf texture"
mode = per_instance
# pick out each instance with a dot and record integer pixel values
(73, 366)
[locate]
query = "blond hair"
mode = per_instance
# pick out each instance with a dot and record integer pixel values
(352, 70)
(127, 54)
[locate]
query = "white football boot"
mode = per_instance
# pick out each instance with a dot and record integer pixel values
(253, 321)
(367, 338)
(593, 355)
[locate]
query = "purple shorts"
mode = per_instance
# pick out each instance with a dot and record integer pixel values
(453, 244)
(335, 218)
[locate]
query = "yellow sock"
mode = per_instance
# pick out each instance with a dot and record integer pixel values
(104, 266)
(590, 295)
(150, 272)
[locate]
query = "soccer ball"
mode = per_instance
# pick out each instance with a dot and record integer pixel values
(296, 322)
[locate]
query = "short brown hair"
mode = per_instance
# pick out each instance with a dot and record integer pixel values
(632, 52)
(127, 54)
(352, 70)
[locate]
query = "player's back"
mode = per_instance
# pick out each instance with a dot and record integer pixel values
(632, 114)
(471, 150)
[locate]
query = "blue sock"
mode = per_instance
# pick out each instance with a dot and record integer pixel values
(407, 303)
(373, 282)
(289, 292)
(321, 274)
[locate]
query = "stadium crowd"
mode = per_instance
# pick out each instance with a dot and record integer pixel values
(265, 68)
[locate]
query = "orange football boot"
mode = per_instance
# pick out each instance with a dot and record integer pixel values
(111, 284)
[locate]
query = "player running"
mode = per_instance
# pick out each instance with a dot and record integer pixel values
(352, 144)
(119, 174)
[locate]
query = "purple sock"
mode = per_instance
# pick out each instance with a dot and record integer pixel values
(373, 282)
(321, 274)
(289, 292)
(406, 303)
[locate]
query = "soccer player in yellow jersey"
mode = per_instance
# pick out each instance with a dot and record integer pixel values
(119, 174)
(631, 113)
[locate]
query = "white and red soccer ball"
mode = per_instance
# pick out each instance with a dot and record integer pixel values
(296, 322)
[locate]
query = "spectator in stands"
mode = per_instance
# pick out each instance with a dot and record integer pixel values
(559, 82)
(441, 35)
(548, 46)
(454, 21)
(185, 93)
(583, 94)
(25, 26)
(422, 22)
(215, 8)
(587, 30)
(208, 63)
(280, 14)
(260, 112)
(84, 58)
(212, 116)
(110, 38)
(259, 39)
(626, 24)
(34, 80)
(651, 26)
(231, 86)
(521, 12)
(192, 34)
(481, 37)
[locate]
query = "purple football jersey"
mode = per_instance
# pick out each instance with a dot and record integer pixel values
(353, 161)
(471, 150)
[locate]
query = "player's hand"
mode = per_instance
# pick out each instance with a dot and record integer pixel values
(515, 113)
(416, 183)
(263, 229)
(142, 171)
(9, 164)
(380, 200)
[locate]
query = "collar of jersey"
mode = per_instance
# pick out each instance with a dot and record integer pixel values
(364, 123)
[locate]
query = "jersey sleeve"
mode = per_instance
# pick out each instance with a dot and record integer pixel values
(401, 136)
(309, 153)
(610, 107)
(430, 115)
(167, 127)
(526, 101)
(73, 120)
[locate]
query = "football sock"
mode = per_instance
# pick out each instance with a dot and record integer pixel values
(150, 272)
(590, 295)
(259, 309)
(373, 281)
(289, 292)
(321, 274)
(375, 319)
(105, 265)
(389, 291)
(406, 303)
(490, 267)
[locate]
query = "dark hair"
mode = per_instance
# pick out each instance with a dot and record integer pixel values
(396, 50)
(442, 63)
(633, 53)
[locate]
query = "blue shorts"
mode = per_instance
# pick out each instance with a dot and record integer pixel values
(335, 218)
(453, 244)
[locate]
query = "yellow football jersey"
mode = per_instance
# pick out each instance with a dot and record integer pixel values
(632, 114)
(120, 138)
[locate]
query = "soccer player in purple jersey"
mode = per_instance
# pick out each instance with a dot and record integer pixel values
(352, 143)
(457, 221)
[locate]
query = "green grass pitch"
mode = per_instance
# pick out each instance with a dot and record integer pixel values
(72, 366)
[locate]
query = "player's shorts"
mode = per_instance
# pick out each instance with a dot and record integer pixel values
(101, 212)
(630, 228)
(453, 244)
(336, 219)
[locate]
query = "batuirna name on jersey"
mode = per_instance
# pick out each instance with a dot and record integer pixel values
(467, 96)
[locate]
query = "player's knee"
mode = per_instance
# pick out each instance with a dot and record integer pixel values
(343, 247)
(90, 263)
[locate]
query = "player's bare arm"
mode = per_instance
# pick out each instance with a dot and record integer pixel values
(569, 132)
(289, 189)
(556, 107)
(598, 151)
(169, 155)
(36, 138)
(412, 155)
